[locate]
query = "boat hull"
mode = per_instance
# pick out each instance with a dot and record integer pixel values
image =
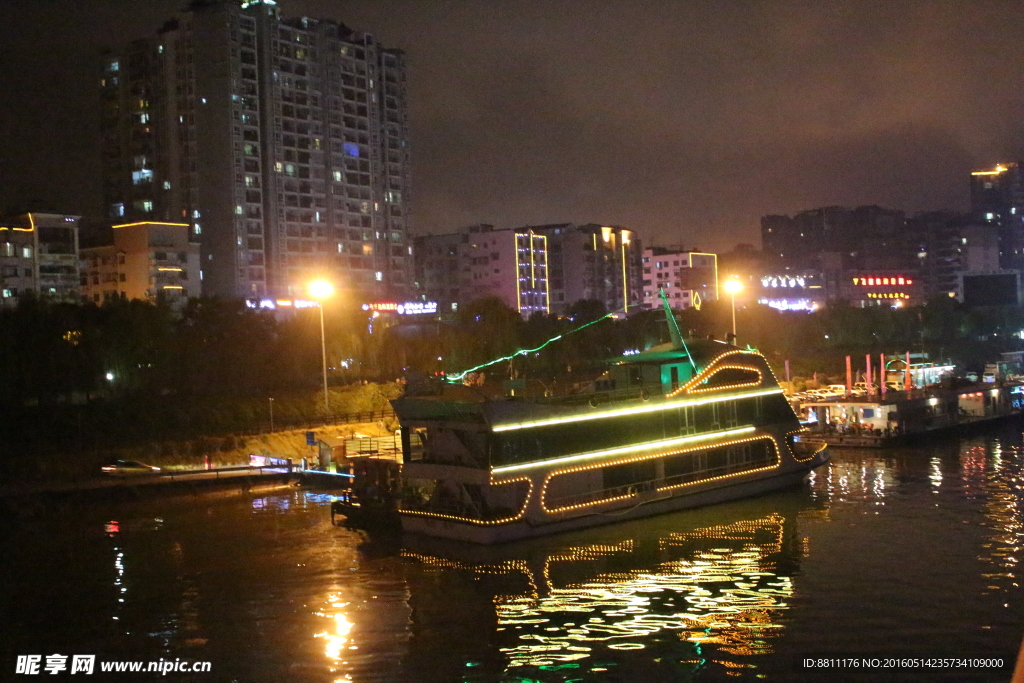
(643, 505)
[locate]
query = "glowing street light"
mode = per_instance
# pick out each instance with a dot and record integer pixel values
(320, 290)
(732, 287)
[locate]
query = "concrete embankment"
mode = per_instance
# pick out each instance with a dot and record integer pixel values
(46, 499)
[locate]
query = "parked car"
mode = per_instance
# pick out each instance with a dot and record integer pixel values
(122, 468)
(861, 389)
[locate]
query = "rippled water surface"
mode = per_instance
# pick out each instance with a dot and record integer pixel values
(912, 552)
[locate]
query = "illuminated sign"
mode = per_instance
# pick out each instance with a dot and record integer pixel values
(783, 281)
(888, 295)
(790, 304)
(273, 304)
(407, 308)
(891, 281)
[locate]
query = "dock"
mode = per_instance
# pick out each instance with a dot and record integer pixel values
(905, 417)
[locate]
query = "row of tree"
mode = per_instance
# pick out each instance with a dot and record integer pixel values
(146, 368)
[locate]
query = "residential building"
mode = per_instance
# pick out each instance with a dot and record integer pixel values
(438, 267)
(688, 278)
(997, 198)
(479, 261)
(148, 260)
(39, 256)
(282, 142)
(593, 262)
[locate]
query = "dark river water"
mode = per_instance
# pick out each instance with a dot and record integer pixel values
(881, 554)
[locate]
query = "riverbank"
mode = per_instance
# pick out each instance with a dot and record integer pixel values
(82, 473)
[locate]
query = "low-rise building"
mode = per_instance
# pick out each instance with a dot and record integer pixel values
(39, 257)
(147, 260)
(688, 278)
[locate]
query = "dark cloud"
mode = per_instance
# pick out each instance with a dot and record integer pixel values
(684, 120)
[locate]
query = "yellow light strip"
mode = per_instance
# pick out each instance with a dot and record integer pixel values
(999, 169)
(634, 410)
(31, 221)
(519, 287)
(711, 368)
(128, 225)
(756, 383)
(625, 289)
(482, 522)
(622, 450)
(533, 264)
(173, 270)
(778, 462)
(650, 456)
(547, 276)
(804, 430)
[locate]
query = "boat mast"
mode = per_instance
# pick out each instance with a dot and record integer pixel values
(673, 330)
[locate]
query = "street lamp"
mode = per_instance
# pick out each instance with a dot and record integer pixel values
(320, 290)
(271, 415)
(732, 287)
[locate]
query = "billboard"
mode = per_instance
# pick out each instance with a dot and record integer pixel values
(991, 289)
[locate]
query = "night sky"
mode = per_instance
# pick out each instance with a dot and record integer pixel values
(686, 121)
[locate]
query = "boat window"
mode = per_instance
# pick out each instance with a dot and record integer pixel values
(732, 377)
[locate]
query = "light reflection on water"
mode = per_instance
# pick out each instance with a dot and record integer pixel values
(926, 544)
(715, 591)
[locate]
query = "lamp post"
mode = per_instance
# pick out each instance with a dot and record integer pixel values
(733, 286)
(320, 290)
(271, 414)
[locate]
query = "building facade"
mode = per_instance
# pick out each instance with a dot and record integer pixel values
(593, 262)
(148, 261)
(479, 261)
(688, 278)
(533, 269)
(282, 142)
(997, 199)
(39, 257)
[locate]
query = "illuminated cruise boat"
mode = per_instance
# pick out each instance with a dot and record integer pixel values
(684, 424)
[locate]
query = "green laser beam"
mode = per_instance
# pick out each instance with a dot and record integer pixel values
(452, 379)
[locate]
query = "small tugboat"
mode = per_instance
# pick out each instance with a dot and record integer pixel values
(684, 424)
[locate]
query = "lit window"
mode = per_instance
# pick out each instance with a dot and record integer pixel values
(379, 276)
(167, 184)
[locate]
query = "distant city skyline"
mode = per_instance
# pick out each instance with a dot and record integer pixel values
(683, 121)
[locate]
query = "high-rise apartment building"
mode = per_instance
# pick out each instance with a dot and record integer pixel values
(282, 142)
(997, 198)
